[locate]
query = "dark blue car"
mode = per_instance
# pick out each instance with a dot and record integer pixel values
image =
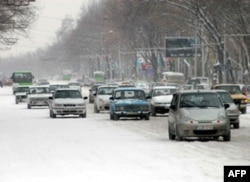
(129, 102)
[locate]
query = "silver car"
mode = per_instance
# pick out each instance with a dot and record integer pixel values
(200, 114)
(233, 112)
(67, 101)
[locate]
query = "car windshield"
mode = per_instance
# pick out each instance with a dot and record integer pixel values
(62, 94)
(22, 89)
(200, 100)
(39, 90)
(164, 91)
(105, 91)
(129, 94)
(231, 89)
(226, 97)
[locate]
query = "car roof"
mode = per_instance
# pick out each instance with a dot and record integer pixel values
(165, 87)
(196, 91)
(67, 89)
(128, 88)
(39, 86)
(108, 86)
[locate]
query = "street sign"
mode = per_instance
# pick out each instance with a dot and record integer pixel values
(182, 47)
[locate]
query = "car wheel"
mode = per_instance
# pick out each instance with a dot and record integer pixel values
(153, 113)
(95, 109)
(116, 117)
(16, 101)
(83, 115)
(244, 111)
(52, 114)
(29, 106)
(170, 135)
(178, 137)
(237, 125)
(111, 116)
(147, 117)
(227, 137)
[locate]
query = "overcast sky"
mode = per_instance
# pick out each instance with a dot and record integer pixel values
(42, 32)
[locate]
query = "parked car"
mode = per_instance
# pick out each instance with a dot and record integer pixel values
(129, 102)
(92, 91)
(161, 97)
(67, 101)
(236, 93)
(233, 112)
(102, 101)
(38, 95)
(21, 94)
(198, 113)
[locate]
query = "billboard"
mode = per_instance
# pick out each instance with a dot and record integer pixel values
(182, 46)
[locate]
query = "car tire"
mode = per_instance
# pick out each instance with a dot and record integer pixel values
(116, 117)
(170, 135)
(29, 106)
(95, 109)
(83, 115)
(147, 117)
(236, 125)
(227, 137)
(177, 136)
(153, 113)
(16, 101)
(244, 111)
(52, 114)
(111, 117)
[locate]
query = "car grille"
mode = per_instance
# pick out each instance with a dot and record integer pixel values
(205, 132)
(69, 105)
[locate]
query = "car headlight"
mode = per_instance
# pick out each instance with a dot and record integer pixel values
(221, 117)
(187, 118)
(144, 108)
(244, 101)
(119, 108)
(234, 111)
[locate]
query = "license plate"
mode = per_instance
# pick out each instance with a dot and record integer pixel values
(205, 127)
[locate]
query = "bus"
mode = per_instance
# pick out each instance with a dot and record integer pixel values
(99, 76)
(173, 78)
(21, 78)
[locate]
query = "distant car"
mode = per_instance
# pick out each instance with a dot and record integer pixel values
(54, 86)
(102, 98)
(38, 95)
(92, 91)
(21, 94)
(75, 85)
(192, 87)
(233, 112)
(156, 84)
(129, 102)
(236, 93)
(161, 97)
(67, 101)
(143, 85)
(198, 113)
(247, 92)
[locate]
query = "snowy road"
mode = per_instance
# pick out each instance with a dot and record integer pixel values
(36, 148)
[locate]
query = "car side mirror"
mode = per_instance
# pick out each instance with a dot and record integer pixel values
(85, 97)
(148, 97)
(173, 107)
(226, 106)
(51, 98)
(111, 98)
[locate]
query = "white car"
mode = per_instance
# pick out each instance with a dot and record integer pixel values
(21, 94)
(67, 101)
(38, 95)
(102, 98)
(161, 97)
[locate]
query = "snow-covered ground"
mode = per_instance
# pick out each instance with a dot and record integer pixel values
(36, 148)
